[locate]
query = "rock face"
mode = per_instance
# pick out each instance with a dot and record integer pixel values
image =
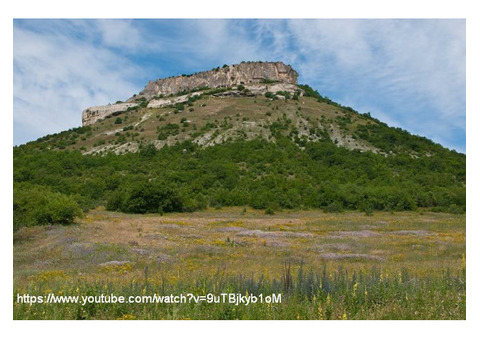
(258, 77)
(253, 90)
(154, 103)
(246, 73)
(95, 113)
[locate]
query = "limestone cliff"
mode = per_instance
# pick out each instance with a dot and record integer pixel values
(95, 113)
(246, 73)
(251, 74)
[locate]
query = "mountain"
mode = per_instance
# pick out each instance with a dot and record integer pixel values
(244, 134)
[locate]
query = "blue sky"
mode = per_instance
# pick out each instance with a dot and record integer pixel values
(407, 73)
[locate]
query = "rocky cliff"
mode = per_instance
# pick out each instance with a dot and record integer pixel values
(258, 78)
(94, 113)
(243, 73)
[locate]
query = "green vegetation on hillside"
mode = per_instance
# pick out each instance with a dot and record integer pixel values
(257, 173)
(299, 153)
(211, 169)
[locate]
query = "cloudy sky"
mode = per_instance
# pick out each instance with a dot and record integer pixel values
(407, 73)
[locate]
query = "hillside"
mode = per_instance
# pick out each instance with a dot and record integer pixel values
(261, 141)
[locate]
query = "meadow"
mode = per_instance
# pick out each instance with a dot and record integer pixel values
(350, 265)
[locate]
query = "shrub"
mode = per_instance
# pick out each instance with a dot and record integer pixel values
(269, 211)
(333, 207)
(38, 205)
(268, 81)
(455, 209)
(368, 210)
(286, 94)
(168, 130)
(148, 150)
(145, 197)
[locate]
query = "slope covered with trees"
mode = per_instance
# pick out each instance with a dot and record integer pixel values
(296, 160)
(256, 173)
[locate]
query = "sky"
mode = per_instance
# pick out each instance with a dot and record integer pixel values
(409, 73)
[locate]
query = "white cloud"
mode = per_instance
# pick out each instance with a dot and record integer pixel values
(217, 42)
(56, 76)
(413, 70)
(120, 34)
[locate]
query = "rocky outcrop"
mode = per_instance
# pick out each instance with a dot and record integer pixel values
(155, 103)
(244, 73)
(95, 113)
(257, 77)
(250, 91)
(261, 89)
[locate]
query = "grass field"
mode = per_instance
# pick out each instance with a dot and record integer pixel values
(408, 265)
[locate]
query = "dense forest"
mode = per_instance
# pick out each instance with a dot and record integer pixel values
(57, 186)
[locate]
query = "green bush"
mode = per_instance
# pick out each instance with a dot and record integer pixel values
(286, 94)
(145, 196)
(454, 209)
(37, 205)
(268, 81)
(168, 130)
(333, 207)
(269, 211)
(255, 173)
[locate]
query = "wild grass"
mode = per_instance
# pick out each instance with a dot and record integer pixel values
(325, 266)
(307, 294)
